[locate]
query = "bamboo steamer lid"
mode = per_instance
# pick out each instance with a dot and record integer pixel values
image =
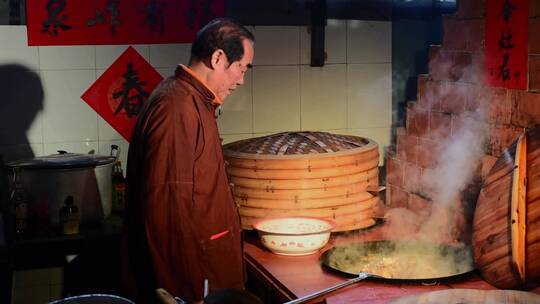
(506, 225)
(315, 174)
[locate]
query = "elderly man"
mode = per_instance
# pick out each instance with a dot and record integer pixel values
(182, 225)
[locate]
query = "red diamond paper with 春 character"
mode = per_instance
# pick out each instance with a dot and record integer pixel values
(119, 94)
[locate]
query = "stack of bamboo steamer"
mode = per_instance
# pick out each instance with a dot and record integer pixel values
(506, 226)
(314, 174)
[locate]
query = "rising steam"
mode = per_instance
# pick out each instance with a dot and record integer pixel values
(458, 154)
(458, 159)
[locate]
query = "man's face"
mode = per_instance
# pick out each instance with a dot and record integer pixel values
(229, 77)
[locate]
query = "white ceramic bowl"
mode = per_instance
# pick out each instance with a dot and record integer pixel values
(294, 235)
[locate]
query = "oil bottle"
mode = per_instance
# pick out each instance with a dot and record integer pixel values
(119, 188)
(118, 182)
(69, 217)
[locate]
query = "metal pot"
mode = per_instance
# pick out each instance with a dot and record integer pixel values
(394, 260)
(400, 259)
(49, 180)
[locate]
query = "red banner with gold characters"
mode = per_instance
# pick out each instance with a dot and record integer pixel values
(120, 92)
(507, 25)
(83, 22)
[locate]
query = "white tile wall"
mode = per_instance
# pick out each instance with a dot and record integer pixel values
(106, 132)
(276, 98)
(277, 45)
(66, 117)
(369, 97)
(323, 97)
(369, 41)
(169, 55)
(351, 94)
(67, 57)
(37, 149)
(107, 54)
(14, 48)
(99, 72)
(237, 109)
(71, 146)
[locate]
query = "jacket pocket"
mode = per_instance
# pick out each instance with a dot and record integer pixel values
(224, 259)
(220, 239)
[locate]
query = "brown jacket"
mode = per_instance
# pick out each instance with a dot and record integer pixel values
(181, 220)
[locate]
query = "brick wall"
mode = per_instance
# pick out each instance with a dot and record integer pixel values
(451, 92)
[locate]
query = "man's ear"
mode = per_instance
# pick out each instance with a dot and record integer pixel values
(217, 58)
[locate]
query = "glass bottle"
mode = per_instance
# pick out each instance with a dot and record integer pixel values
(118, 182)
(119, 187)
(69, 217)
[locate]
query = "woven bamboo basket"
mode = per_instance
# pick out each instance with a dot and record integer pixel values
(313, 174)
(506, 225)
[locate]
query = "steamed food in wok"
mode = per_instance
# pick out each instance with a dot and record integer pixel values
(400, 259)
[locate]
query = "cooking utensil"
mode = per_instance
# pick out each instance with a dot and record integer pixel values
(374, 259)
(166, 298)
(403, 260)
(361, 276)
(305, 173)
(48, 180)
(506, 226)
(94, 299)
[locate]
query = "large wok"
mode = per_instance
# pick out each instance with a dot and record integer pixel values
(394, 260)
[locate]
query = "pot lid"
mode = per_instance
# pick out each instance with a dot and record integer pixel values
(63, 160)
(508, 192)
(298, 144)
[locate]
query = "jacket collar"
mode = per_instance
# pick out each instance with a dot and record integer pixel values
(198, 84)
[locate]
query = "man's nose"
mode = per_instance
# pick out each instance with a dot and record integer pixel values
(240, 81)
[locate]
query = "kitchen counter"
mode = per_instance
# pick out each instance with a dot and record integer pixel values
(277, 278)
(284, 278)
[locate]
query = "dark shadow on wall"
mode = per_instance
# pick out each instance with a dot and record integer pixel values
(21, 99)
